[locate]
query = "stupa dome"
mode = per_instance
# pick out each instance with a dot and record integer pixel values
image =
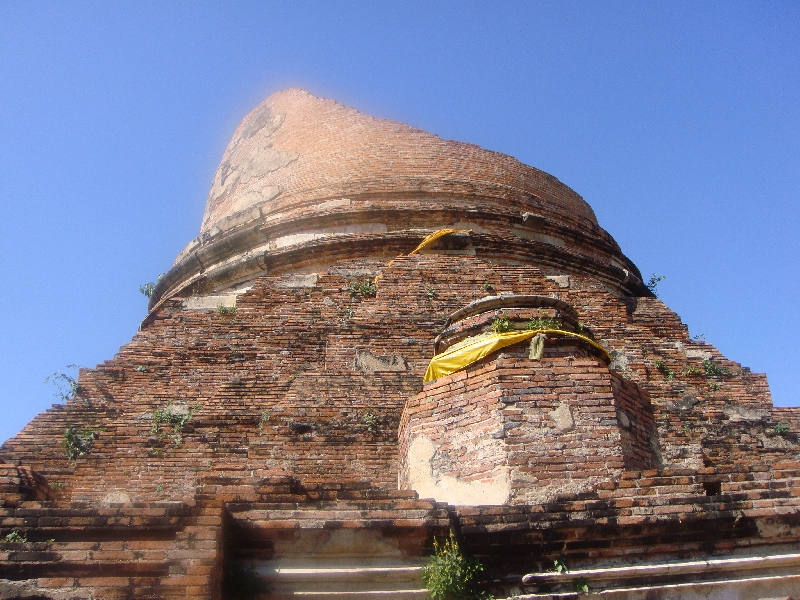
(307, 174)
(296, 150)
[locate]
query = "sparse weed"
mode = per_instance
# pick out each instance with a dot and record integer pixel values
(449, 575)
(148, 288)
(664, 369)
(77, 443)
(543, 323)
(263, 421)
(713, 369)
(652, 284)
(176, 419)
(581, 585)
(370, 420)
(65, 385)
(364, 288)
(14, 537)
(559, 567)
(781, 429)
(502, 324)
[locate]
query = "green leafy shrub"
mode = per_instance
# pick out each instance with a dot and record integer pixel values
(713, 369)
(652, 284)
(14, 537)
(664, 369)
(66, 386)
(543, 323)
(262, 422)
(559, 567)
(77, 443)
(449, 575)
(365, 288)
(502, 325)
(225, 310)
(370, 420)
(148, 288)
(176, 419)
(581, 585)
(781, 429)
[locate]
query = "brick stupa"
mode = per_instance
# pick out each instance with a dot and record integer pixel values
(267, 432)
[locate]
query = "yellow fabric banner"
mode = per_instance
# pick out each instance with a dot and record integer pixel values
(435, 236)
(429, 239)
(460, 356)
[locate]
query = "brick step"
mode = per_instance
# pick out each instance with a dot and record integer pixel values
(399, 594)
(339, 579)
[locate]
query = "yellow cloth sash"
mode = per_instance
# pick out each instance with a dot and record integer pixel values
(435, 236)
(460, 356)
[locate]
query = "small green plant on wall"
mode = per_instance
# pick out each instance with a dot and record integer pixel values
(365, 288)
(174, 417)
(780, 429)
(14, 537)
(713, 369)
(77, 443)
(664, 369)
(65, 385)
(652, 284)
(263, 421)
(559, 567)
(148, 288)
(581, 585)
(502, 324)
(225, 310)
(370, 420)
(542, 323)
(449, 575)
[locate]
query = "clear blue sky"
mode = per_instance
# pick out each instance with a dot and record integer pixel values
(678, 122)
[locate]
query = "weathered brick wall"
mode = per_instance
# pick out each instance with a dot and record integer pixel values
(292, 352)
(638, 432)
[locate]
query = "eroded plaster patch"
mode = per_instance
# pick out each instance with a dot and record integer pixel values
(562, 417)
(211, 302)
(367, 361)
(429, 484)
